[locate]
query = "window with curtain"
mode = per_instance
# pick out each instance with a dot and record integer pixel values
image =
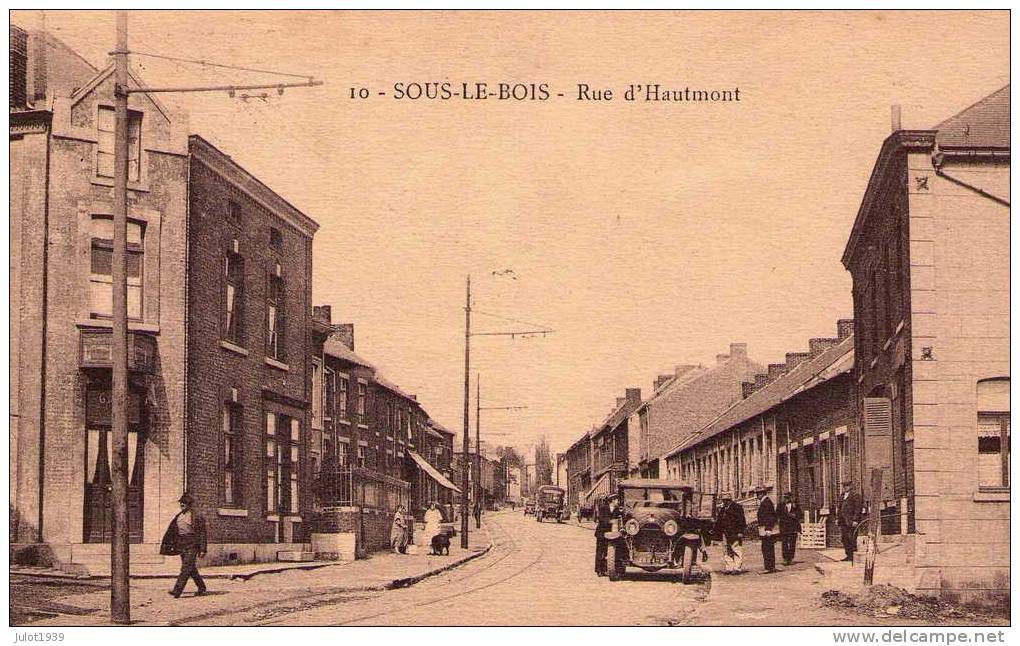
(231, 454)
(233, 272)
(101, 268)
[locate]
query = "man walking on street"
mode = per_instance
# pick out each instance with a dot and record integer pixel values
(603, 523)
(789, 526)
(849, 514)
(186, 536)
(768, 528)
(731, 525)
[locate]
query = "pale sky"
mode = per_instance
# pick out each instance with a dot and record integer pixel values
(644, 234)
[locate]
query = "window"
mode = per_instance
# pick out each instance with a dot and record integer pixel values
(275, 318)
(342, 398)
(275, 238)
(993, 433)
(101, 272)
(104, 154)
(234, 213)
(362, 396)
(317, 388)
(231, 457)
(272, 464)
(342, 449)
(329, 394)
(283, 435)
(233, 272)
(361, 456)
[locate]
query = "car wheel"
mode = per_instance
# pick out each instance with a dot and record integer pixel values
(614, 568)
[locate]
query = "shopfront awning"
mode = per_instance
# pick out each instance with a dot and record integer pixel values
(433, 472)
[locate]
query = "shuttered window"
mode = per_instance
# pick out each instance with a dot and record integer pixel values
(993, 433)
(878, 442)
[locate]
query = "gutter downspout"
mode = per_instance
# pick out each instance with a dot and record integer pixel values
(43, 349)
(185, 425)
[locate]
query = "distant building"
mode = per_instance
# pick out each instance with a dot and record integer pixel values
(610, 442)
(683, 402)
(579, 470)
(929, 257)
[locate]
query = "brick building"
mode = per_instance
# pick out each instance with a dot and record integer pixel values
(686, 401)
(61, 207)
(375, 448)
(609, 444)
(793, 430)
(219, 282)
(929, 257)
(579, 470)
(249, 303)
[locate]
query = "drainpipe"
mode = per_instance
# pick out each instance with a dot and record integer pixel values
(185, 425)
(43, 349)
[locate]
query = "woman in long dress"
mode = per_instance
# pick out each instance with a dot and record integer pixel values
(433, 520)
(398, 532)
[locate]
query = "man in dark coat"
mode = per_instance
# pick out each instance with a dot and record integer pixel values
(604, 514)
(848, 515)
(731, 525)
(768, 528)
(789, 526)
(186, 536)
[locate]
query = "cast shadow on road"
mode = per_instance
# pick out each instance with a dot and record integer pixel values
(668, 576)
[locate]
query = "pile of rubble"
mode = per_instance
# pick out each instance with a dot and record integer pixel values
(890, 601)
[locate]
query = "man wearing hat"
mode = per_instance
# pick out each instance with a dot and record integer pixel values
(768, 527)
(789, 526)
(186, 536)
(731, 525)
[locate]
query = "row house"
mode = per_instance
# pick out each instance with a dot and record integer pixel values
(685, 401)
(929, 258)
(609, 444)
(367, 434)
(579, 470)
(794, 430)
(218, 299)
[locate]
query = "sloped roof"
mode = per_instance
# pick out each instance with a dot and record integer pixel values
(983, 125)
(442, 429)
(690, 376)
(807, 374)
(392, 387)
(336, 349)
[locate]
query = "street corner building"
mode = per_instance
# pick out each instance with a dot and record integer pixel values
(929, 258)
(219, 291)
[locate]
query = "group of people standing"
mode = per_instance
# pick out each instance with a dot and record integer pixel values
(402, 529)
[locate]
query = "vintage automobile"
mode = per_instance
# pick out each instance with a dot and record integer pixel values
(529, 506)
(663, 524)
(549, 503)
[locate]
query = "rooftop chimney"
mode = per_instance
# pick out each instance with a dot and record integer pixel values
(738, 350)
(683, 368)
(746, 388)
(323, 313)
(620, 401)
(661, 379)
(634, 395)
(844, 328)
(897, 121)
(794, 359)
(344, 332)
(760, 380)
(775, 370)
(818, 346)
(721, 358)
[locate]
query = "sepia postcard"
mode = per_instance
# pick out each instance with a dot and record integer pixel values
(510, 318)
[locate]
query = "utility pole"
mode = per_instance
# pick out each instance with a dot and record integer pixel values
(120, 589)
(467, 419)
(478, 441)
(120, 567)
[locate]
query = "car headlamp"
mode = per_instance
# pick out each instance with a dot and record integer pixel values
(670, 527)
(631, 527)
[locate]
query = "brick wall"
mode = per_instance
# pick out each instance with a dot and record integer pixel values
(215, 368)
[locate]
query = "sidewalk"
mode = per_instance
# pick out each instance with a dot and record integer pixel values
(232, 598)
